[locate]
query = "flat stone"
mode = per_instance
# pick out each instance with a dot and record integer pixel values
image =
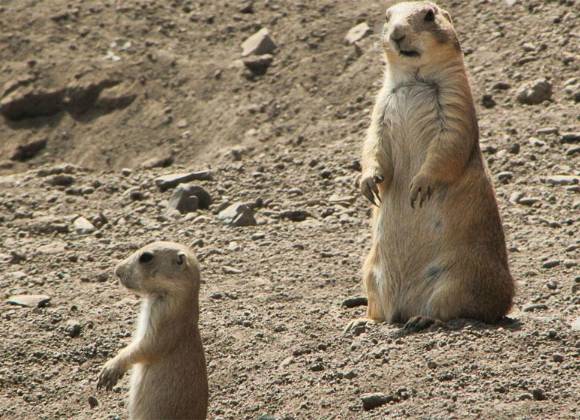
(374, 400)
(358, 32)
(258, 64)
(32, 301)
(166, 182)
(551, 263)
(294, 215)
(570, 137)
(83, 226)
(534, 307)
(562, 180)
(57, 247)
(258, 44)
(528, 201)
(28, 150)
(237, 214)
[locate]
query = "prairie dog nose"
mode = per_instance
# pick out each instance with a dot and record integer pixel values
(397, 35)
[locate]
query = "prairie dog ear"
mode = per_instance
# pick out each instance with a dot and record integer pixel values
(447, 16)
(181, 258)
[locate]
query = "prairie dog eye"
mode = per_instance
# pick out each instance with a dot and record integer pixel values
(430, 16)
(145, 257)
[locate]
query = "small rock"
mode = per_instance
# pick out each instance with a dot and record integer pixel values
(562, 180)
(573, 151)
(487, 101)
(61, 180)
(353, 302)
(570, 137)
(538, 394)
(316, 367)
(358, 32)
(258, 44)
(246, 6)
(183, 202)
(83, 226)
(126, 171)
(535, 92)
(551, 264)
(231, 270)
(238, 214)
(171, 181)
(294, 215)
(375, 400)
(258, 64)
(534, 307)
(529, 201)
(545, 131)
(93, 402)
(28, 150)
(73, 328)
(558, 358)
(514, 148)
(34, 301)
(505, 176)
(501, 85)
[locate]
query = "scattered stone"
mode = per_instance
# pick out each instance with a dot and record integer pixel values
(29, 150)
(183, 202)
(545, 131)
(33, 301)
(48, 224)
(57, 247)
(231, 270)
(535, 92)
(258, 64)
(135, 194)
(529, 201)
(532, 307)
(538, 394)
(83, 226)
(487, 101)
(294, 215)
(505, 177)
(570, 137)
(258, 44)
(353, 302)
(93, 402)
(562, 180)
(357, 33)
(238, 214)
(61, 180)
(247, 6)
(572, 151)
(73, 328)
(514, 148)
(375, 400)
(159, 162)
(171, 181)
(558, 358)
(501, 85)
(551, 264)
(191, 190)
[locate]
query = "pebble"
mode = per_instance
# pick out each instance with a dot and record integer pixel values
(570, 137)
(60, 180)
(237, 214)
(73, 328)
(562, 180)
(357, 33)
(487, 101)
(258, 64)
(258, 44)
(535, 93)
(93, 402)
(83, 227)
(538, 394)
(557, 357)
(551, 263)
(374, 400)
(35, 301)
(294, 215)
(528, 201)
(353, 302)
(532, 307)
(231, 270)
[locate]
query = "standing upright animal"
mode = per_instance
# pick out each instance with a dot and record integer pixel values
(438, 249)
(169, 379)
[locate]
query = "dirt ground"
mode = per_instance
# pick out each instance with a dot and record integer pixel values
(100, 98)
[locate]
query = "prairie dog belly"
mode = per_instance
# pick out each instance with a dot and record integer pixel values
(409, 239)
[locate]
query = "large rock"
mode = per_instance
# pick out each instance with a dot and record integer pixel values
(166, 182)
(258, 44)
(358, 32)
(238, 214)
(188, 198)
(535, 92)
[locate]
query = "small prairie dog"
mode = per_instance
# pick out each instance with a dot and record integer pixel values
(438, 250)
(169, 379)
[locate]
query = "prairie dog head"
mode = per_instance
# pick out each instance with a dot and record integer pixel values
(160, 268)
(418, 33)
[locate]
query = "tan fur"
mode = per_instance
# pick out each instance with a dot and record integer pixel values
(438, 247)
(169, 378)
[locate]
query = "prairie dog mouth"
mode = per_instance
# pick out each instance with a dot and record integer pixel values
(409, 53)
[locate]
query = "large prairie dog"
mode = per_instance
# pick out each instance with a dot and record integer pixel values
(438, 250)
(169, 379)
